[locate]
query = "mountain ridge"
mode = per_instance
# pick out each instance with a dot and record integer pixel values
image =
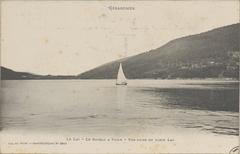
(9, 74)
(210, 54)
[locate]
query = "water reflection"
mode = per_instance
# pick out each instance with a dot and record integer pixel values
(121, 97)
(211, 108)
(100, 107)
(202, 99)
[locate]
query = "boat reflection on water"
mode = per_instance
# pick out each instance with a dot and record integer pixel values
(121, 97)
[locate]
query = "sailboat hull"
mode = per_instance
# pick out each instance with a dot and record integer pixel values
(123, 84)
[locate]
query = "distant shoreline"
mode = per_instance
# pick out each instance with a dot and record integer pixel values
(204, 79)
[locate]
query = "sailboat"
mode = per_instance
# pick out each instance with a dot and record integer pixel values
(121, 79)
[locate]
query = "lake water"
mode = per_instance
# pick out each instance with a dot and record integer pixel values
(101, 107)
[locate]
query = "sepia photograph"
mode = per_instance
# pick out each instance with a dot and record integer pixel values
(142, 76)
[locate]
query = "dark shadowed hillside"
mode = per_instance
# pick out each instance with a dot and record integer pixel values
(213, 54)
(13, 75)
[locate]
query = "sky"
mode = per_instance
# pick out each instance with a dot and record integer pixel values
(70, 37)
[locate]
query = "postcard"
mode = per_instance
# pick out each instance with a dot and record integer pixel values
(107, 76)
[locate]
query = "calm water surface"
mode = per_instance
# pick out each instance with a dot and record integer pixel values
(100, 107)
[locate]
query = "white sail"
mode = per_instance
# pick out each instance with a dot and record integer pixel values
(121, 79)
